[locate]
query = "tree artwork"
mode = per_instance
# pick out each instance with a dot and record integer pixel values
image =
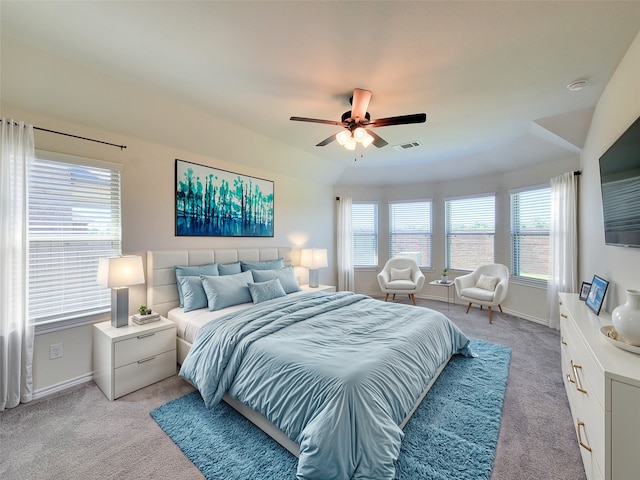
(212, 202)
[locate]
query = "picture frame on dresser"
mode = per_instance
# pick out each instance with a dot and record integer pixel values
(597, 291)
(584, 290)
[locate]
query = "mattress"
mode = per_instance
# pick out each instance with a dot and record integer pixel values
(189, 323)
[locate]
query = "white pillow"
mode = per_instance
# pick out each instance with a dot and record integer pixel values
(487, 283)
(400, 273)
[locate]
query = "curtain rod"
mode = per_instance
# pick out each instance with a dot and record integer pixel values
(121, 147)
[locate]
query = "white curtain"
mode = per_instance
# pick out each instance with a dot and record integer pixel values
(563, 243)
(345, 245)
(16, 332)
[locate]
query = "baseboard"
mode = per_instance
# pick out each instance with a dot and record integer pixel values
(524, 316)
(59, 387)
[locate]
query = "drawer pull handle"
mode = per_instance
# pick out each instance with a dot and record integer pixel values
(575, 374)
(139, 337)
(146, 359)
(570, 379)
(563, 315)
(563, 341)
(582, 444)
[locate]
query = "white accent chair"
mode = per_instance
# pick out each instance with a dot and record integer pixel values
(401, 275)
(487, 286)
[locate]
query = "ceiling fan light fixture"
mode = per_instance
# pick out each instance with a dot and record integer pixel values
(350, 144)
(367, 140)
(343, 136)
(360, 134)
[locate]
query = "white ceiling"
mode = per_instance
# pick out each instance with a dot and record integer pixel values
(491, 76)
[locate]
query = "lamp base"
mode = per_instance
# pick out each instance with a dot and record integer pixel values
(120, 307)
(313, 278)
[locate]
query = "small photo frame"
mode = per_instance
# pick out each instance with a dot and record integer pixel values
(584, 290)
(596, 294)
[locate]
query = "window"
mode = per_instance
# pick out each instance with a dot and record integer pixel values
(530, 222)
(470, 232)
(365, 234)
(74, 218)
(410, 231)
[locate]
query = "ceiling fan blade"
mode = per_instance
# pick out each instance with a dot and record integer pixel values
(327, 141)
(315, 120)
(360, 104)
(377, 141)
(401, 120)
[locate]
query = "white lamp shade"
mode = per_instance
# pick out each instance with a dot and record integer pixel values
(367, 140)
(314, 258)
(120, 271)
(359, 134)
(350, 144)
(342, 136)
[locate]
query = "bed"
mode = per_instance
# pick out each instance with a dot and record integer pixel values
(333, 377)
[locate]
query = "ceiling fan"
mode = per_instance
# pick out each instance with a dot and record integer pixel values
(357, 123)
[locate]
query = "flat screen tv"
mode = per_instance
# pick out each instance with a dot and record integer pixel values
(620, 183)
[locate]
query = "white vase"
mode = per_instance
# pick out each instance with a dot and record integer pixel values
(626, 318)
(444, 279)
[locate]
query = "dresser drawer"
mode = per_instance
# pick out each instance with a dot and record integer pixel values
(145, 345)
(584, 366)
(144, 372)
(589, 421)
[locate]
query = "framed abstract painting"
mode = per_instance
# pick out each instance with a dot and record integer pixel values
(216, 203)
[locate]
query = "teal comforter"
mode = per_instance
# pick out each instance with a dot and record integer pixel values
(336, 372)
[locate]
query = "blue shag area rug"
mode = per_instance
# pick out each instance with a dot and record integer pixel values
(452, 435)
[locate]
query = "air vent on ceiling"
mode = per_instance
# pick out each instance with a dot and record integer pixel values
(406, 146)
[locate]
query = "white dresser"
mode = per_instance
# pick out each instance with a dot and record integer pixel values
(603, 387)
(129, 358)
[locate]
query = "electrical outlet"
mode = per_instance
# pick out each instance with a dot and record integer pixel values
(55, 351)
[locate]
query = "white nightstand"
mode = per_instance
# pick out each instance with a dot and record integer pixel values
(129, 358)
(319, 288)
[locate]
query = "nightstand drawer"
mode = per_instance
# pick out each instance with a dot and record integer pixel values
(144, 372)
(144, 345)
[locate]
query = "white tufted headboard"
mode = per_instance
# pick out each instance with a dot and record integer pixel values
(162, 293)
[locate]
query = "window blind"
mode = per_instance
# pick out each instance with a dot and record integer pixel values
(530, 224)
(410, 231)
(364, 218)
(470, 232)
(74, 219)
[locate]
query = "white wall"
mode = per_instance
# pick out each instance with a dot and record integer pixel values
(617, 109)
(303, 217)
(524, 301)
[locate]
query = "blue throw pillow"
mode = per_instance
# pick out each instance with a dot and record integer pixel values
(193, 293)
(263, 291)
(187, 271)
(286, 276)
(227, 290)
(268, 265)
(229, 268)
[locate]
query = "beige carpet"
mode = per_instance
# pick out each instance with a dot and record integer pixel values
(79, 434)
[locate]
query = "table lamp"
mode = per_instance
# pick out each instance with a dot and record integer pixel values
(117, 273)
(313, 259)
